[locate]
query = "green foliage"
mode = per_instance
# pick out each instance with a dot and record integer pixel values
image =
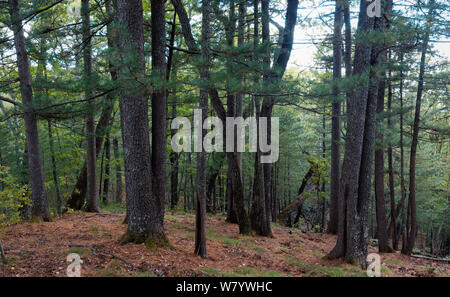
(13, 197)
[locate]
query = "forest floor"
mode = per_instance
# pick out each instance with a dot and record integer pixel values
(40, 249)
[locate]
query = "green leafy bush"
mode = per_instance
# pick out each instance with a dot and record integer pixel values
(13, 196)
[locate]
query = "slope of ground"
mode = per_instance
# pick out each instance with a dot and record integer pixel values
(40, 249)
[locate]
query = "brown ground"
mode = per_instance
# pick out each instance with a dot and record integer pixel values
(40, 249)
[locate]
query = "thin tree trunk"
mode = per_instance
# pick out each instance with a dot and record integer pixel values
(414, 142)
(382, 25)
(54, 170)
(78, 196)
(2, 254)
(119, 189)
(107, 169)
(91, 158)
(402, 163)
(391, 167)
(336, 120)
(174, 193)
(200, 226)
(100, 188)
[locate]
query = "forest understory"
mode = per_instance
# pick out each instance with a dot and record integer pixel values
(40, 249)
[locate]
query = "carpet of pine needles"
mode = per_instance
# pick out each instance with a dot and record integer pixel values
(41, 249)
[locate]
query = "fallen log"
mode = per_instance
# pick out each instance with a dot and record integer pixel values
(431, 258)
(291, 214)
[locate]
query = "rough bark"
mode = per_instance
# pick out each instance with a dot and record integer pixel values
(143, 209)
(37, 176)
(355, 179)
(159, 106)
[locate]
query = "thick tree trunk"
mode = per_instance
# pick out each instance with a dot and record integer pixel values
(143, 209)
(355, 181)
(37, 176)
(159, 106)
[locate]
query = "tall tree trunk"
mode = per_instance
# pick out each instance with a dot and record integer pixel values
(174, 194)
(272, 76)
(402, 164)
(232, 216)
(39, 194)
(91, 158)
(107, 169)
(355, 180)
(43, 62)
(143, 209)
(200, 227)
(382, 25)
(242, 9)
(412, 158)
(266, 109)
(336, 120)
(159, 107)
(100, 188)
(324, 150)
(78, 196)
(391, 165)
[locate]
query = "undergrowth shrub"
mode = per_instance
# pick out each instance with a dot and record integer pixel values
(13, 196)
